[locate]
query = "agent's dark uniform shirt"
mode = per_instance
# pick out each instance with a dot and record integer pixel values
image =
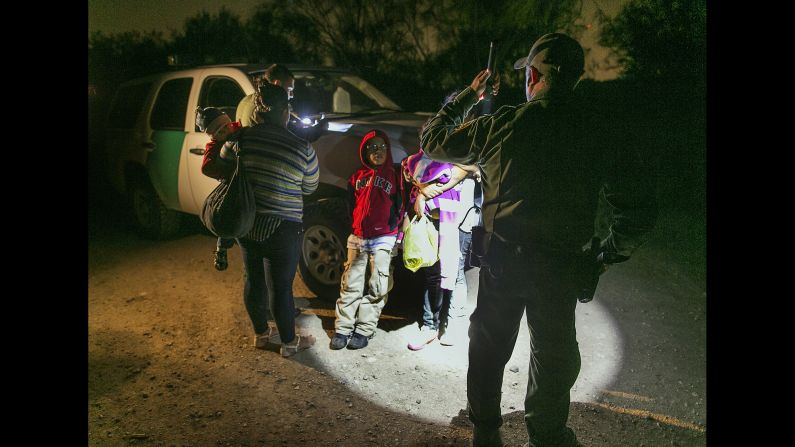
(546, 165)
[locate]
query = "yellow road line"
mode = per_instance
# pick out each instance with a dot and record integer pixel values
(657, 417)
(319, 312)
(390, 317)
(627, 395)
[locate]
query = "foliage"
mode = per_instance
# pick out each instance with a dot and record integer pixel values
(123, 56)
(417, 51)
(659, 38)
(266, 39)
(208, 39)
(427, 47)
(118, 57)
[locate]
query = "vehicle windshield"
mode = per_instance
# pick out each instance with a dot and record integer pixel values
(336, 93)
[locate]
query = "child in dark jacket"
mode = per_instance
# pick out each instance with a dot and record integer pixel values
(221, 128)
(374, 193)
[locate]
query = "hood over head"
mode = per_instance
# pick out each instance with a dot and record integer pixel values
(369, 136)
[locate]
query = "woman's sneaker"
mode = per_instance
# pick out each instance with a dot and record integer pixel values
(261, 341)
(299, 343)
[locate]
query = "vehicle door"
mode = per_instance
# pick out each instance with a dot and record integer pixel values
(167, 130)
(125, 135)
(219, 87)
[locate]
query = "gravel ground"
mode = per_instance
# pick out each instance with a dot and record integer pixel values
(172, 362)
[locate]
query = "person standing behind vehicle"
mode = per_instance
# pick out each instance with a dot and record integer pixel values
(546, 169)
(282, 168)
(276, 74)
(374, 196)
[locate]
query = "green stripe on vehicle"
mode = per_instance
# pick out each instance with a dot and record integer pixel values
(163, 165)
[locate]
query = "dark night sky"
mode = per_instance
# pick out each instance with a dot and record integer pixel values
(114, 16)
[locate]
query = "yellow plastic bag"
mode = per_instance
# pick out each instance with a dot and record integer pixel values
(420, 244)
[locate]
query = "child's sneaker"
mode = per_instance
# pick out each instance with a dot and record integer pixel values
(425, 336)
(220, 260)
(454, 333)
(299, 343)
(444, 336)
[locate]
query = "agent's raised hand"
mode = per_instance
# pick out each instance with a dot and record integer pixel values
(479, 83)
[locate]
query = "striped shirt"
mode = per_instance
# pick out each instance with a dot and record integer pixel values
(281, 167)
(264, 226)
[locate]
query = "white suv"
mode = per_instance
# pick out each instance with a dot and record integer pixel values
(154, 151)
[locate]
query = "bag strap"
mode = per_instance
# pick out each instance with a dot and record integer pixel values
(477, 204)
(473, 207)
(236, 138)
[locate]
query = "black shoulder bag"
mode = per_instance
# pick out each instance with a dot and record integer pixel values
(229, 210)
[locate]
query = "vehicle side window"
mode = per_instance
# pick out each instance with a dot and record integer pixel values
(171, 105)
(312, 95)
(357, 100)
(127, 106)
(223, 93)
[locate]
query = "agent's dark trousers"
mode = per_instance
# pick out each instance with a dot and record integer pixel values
(544, 288)
(281, 250)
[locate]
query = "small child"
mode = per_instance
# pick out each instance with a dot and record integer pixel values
(437, 192)
(374, 195)
(217, 125)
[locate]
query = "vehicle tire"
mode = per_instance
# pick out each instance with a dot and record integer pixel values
(152, 218)
(323, 247)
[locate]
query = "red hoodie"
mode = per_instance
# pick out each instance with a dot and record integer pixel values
(211, 166)
(375, 191)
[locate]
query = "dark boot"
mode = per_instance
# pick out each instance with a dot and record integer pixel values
(358, 341)
(339, 341)
(482, 437)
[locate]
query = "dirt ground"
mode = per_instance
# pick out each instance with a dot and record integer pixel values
(172, 362)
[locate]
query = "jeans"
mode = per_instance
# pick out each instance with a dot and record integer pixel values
(459, 299)
(281, 251)
(435, 301)
(544, 287)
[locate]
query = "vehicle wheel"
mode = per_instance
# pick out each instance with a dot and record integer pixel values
(153, 219)
(323, 248)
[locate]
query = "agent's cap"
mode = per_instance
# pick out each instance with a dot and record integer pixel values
(555, 52)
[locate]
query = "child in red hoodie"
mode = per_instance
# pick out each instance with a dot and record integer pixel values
(374, 195)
